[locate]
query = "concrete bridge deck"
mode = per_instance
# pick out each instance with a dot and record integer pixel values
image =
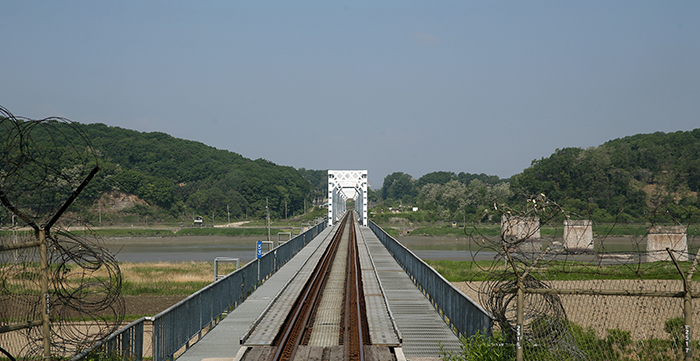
(418, 322)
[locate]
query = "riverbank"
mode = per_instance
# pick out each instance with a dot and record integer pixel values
(494, 230)
(116, 232)
(257, 228)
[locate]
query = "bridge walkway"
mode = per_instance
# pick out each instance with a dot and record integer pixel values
(418, 322)
(223, 342)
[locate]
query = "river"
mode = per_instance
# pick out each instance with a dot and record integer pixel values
(181, 249)
(207, 248)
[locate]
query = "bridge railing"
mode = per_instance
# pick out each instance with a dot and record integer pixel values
(127, 342)
(460, 312)
(177, 326)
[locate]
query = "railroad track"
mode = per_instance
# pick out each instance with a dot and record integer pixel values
(299, 325)
(328, 319)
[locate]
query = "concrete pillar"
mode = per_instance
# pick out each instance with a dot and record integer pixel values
(523, 230)
(515, 228)
(661, 237)
(578, 235)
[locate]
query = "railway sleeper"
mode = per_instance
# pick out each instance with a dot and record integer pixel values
(315, 353)
(291, 341)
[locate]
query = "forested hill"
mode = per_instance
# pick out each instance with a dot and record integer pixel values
(186, 177)
(628, 176)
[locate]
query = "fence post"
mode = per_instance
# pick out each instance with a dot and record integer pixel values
(688, 316)
(520, 303)
(45, 301)
(687, 308)
(519, 323)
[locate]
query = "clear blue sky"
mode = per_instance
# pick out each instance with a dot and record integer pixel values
(411, 86)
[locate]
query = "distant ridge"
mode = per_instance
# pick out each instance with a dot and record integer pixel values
(183, 177)
(625, 177)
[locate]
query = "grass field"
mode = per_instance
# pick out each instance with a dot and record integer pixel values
(461, 271)
(167, 278)
(149, 288)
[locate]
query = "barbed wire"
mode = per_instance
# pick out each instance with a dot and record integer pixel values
(42, 163)
(578, 276)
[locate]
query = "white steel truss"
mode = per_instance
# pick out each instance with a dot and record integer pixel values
(344, 185)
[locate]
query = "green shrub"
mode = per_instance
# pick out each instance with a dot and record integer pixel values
(480, 347)
(580, 344)
(675, 327)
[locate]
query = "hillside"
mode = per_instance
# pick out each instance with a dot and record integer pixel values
(633, 177)
(640, 178)
(626, 179)
(144, 174)
(186, 177)
(156, 176)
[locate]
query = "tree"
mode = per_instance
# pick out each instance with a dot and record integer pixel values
(440, 177)
(397, 186)
(129, 181)
(174, 173)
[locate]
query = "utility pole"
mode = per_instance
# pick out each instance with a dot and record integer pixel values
(14, 236)
(229, 215)
(14, 230)
(285, 209)
(267, 208)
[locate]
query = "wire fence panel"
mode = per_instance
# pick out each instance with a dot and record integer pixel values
(576, 290)
(50, 305)
(597, 326)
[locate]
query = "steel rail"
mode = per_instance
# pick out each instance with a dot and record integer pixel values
(355, 281)
(293, 331)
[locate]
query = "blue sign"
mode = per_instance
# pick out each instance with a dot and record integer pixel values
(259, 249)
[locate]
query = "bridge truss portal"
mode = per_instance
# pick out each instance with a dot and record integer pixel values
(344, 185)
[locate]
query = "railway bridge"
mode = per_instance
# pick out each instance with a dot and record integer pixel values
(342, 290)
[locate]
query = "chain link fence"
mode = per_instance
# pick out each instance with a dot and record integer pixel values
(596, 297)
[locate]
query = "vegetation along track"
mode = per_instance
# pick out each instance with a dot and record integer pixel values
(353, 333)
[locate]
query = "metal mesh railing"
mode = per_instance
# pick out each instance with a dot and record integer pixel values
(175, 328)
(463, 315)
(126, 342)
